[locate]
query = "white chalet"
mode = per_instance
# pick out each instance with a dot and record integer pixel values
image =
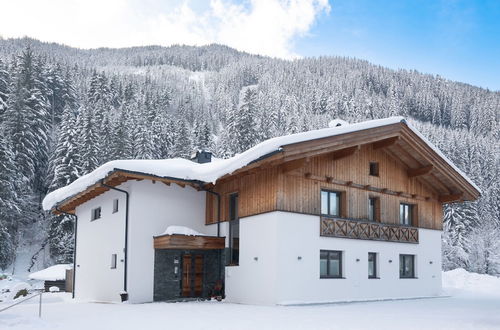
(346, 213)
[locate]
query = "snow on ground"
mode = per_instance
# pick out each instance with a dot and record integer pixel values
(475, 305)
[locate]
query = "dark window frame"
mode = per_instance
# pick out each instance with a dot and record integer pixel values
(339, 198)
(234, 221)
(375, 255)
(341, 257)
(402, 273)
(406, 221)
(376, 205)
(116, 205)
(374, 169)
(96, 213)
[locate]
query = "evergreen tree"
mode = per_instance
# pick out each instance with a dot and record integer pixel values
(9, 204)
(88, 140)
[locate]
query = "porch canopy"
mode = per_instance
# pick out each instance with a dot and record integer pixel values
(188, 242)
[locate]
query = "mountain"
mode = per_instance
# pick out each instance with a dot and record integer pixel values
(64, 111)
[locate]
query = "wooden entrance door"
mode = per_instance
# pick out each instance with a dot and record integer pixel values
(192, 275)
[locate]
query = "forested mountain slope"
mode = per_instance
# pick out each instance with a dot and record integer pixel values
(65, 111)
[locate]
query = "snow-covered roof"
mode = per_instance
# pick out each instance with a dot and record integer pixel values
(181, 230)
(184, 169)
(52, 273)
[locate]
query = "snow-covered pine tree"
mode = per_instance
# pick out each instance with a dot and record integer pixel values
(4, 87)
(26, 118)
(88, 140)
(64, 162)
(245, 129)
(9, 204)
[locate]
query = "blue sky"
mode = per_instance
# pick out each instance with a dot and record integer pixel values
(459, 40)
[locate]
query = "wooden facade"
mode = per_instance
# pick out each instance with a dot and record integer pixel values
(292, 180)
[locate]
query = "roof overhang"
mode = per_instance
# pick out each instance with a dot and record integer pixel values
(398, 139)
(116, 178)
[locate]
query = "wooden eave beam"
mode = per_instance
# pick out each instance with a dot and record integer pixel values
(414, 172)
(346, 152)
(385, 143)
(450, 198)
(440, 164)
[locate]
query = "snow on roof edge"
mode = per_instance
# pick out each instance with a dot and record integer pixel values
(183, 169)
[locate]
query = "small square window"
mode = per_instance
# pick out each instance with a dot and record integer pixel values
(96, 214)
(115, 205)
(374, 168)
(113, 261)
(330, 264)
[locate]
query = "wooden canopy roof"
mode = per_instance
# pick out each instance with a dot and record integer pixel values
(398, 140)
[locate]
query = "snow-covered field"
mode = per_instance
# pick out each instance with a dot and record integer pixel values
(474, 304)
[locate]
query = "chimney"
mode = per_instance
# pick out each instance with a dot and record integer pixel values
(202, 157)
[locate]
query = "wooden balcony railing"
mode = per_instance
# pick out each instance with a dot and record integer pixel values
(345, 228)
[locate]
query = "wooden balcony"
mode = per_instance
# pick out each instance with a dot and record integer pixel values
(358, 229)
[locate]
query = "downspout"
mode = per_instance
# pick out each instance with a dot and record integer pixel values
(125, 249)
(75, 228)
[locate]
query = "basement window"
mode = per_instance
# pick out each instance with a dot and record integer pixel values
(373, 168)
(115, 205)
(96, 214)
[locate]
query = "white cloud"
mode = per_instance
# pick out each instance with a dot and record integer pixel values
(267, 27)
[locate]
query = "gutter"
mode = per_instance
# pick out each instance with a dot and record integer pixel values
(75, 228)
(125, 249)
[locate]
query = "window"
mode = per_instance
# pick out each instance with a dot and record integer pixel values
(330, 264)
(234, 230)
(96, 214)
(406, 266)
(372, 265)
(330, 203)
(115, 205)
(374, 168)
(373, 207)
(113, 261)
(405, 214)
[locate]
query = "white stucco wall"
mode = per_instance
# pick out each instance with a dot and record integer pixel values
(96, 242)
(153, 207)
(277, 239)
